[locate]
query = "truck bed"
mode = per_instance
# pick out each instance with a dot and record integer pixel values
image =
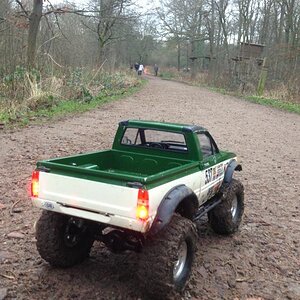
(119, 165)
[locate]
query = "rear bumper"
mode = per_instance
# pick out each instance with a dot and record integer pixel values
(107, 219)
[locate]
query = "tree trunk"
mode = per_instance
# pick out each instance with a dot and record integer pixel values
(193, 59)
(212, 37)
(34, 24)
(262, 78)
(101, 52)
(281, 23)
(178, 55)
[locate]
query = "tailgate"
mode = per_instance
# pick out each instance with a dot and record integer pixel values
(88, 195)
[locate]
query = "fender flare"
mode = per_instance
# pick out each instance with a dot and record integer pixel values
(168, 206)
(232, 166)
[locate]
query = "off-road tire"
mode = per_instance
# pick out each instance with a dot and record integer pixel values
(51, 244)
(160, 254)
(221, 217)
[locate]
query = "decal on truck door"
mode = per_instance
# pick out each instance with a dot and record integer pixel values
(208, 175)
(211, 174)
(213, 180)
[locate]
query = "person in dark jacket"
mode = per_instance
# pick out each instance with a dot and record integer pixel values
(155, 69)
(136, 66)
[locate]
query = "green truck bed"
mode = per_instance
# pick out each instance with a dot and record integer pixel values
(119, 165)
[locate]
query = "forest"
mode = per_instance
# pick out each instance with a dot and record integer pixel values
(52, 50)
(152, 212)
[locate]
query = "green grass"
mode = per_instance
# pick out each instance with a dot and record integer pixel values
(288, 106)
(218, 90)
(276, 103)
(68, 107)
(166, 75)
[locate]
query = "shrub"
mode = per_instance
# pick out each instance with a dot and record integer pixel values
(23, 93)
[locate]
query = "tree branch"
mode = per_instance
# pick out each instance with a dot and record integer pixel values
(57, 22)
(22, 8)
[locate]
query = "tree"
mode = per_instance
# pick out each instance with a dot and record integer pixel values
(173, 23)
(34, 23)
(183, 21)
(106, 16)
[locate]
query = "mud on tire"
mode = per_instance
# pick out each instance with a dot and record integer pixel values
(166, 260)
(63, 241)
(226, 217)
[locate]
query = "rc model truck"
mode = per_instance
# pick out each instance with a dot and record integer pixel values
(144, 195)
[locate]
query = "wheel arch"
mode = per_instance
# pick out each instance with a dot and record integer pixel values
(180, 199)
(232, 166)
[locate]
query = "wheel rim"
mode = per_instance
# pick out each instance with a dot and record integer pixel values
(73, 232)
(180, 263)
(234, 207)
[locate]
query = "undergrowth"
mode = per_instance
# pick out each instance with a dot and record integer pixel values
(26, 96)
(288, 106)
(272, 97)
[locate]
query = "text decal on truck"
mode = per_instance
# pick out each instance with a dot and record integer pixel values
(214, 173)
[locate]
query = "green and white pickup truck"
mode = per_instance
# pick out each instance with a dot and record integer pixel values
(145, 195)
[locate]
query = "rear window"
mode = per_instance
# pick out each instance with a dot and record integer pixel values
(151, 138)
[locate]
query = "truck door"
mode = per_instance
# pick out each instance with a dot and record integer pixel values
(213, 170)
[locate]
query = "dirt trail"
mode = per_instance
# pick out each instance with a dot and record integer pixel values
(261, 260)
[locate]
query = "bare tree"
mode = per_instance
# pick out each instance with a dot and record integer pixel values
(183, 21)
(34, 23)
(169, 14)
(106, 16)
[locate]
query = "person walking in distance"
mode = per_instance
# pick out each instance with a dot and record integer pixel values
(136, 66)
(141, 69)
(155, 69)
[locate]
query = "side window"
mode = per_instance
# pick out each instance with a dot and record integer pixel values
(131, 137)
(207, 146)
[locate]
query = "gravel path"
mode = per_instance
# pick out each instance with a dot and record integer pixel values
(261, 260)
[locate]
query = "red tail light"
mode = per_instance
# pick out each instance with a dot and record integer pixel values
(35, 184)
(142, 210)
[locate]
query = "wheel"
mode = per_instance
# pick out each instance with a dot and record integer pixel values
(226, 217)
(166, 259)
(63, 241)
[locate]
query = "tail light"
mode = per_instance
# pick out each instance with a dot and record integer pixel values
(142, 210)
(35, 184)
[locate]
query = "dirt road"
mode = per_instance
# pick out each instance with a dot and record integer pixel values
(261, 260)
